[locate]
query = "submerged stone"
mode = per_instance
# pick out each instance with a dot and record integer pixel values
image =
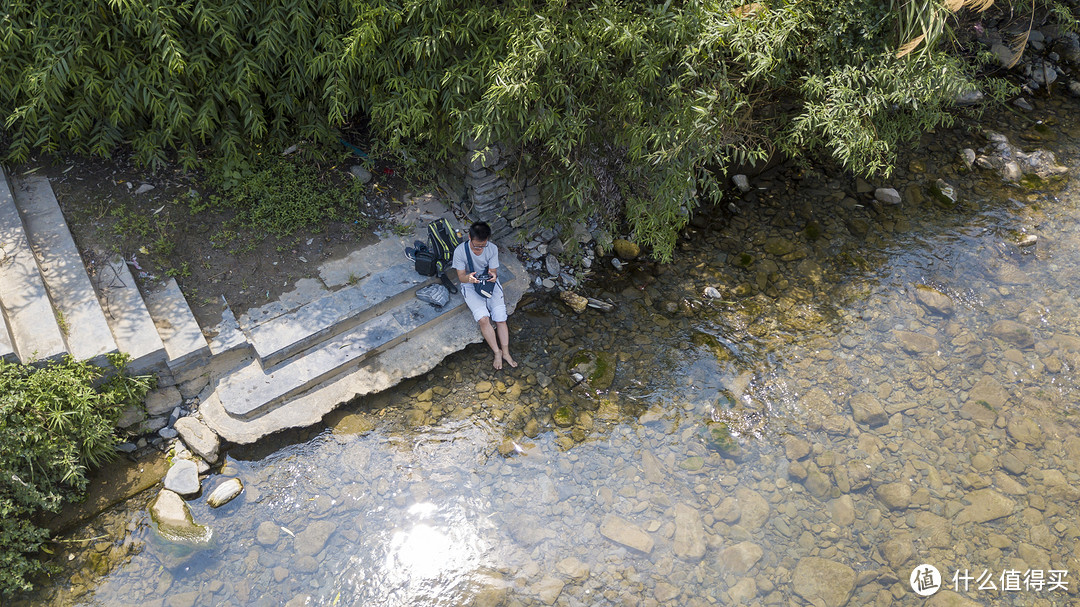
(718, 438)
(564, 416)
(597, 367)
(225, 492)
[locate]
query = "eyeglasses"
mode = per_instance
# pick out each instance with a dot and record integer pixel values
(476, 246)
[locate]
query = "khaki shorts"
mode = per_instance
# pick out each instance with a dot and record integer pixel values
(494, 306)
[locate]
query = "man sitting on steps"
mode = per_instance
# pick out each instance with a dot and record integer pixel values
(485, 259)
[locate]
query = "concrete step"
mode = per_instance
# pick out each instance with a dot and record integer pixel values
(35, 333)
(128, 318)
(7, 351)
(84, 327)
(253, 390)
(419, 353)
(286, 335)
(184, 342)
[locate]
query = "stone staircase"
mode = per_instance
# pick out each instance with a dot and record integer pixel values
(357, 330)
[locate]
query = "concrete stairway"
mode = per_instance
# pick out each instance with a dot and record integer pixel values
(52, 306)
(359, 330)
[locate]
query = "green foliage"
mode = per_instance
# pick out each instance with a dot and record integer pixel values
(279, 195)
(55, 421)
(632, 110)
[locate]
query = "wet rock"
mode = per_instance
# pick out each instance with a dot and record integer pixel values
(898, 551)
(916, 343)
(743, 591)
(817, 482)
(183, 477)
(665, 592)
(1025, 430)
(712, 293)
(887, 196)
(868, 410)
(985, 505)
(268, 533)
(779, 246)
(822, 581)
(796, 448)
(754, 509)
(624, 249)
(199, 438)
(934, 300)
(842, 511)
(528, 530)
(944, 194)
(626, 533)
(225, 493)
(170, 510)
(597, 367)
(572, 568)
(576, 302)
(741, 182)
(563, 416)
(948, 598)
(532, 428)
(740, 558)
(548, 589)
(989, 391)
(1013, 332)
(313, 539)
(896, 496)
(182, 599)
(727, 511)
(967, 157)
(689, 543)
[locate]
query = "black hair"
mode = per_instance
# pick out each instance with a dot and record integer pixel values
(479, 231)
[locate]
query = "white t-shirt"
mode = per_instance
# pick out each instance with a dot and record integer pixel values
(489, 258)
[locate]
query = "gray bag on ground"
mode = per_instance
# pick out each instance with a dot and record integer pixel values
(436, 295)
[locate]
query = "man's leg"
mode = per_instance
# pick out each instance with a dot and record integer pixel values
(489, 336)
(504, 339)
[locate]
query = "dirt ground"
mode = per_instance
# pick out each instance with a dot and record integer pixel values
(162, 234)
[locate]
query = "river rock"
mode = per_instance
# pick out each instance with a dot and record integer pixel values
(576, 302)
(916, 343)
(989, 391)
(948, 598)
(182, 599)
(985, 505)
(743, 591)
(740, 558)
(572, 568)
(162, 401)
(624, 249)
(868, 410)
(887, 196)
(597, 367)
(898, 551)
(689, 541)
(551, 264)
(549, 589)
(755, 510)
(1025, 430)
(225, 492)
(821, 581)
(170, 510)
(896, 496)
(741, 182)
(268, 533)
(313, 539)
(779, 246)
(626, 533)
(944, 193)
(842, 510)
(796, 448)
(1013, 332)
(183, 477)
(199, 438)
(360, 173)
(665, 592)
(934, 300)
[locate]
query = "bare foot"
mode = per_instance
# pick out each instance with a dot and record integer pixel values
(498, 361)
(506, 357)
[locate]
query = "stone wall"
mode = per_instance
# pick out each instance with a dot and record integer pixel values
(489, 184)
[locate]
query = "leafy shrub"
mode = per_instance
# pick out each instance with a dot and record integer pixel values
(55, 421)
(633, 110)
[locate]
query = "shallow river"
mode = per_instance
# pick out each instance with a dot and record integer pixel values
(900, 382)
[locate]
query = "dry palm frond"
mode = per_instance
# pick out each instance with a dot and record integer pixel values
(1017, 46)
(910, 45)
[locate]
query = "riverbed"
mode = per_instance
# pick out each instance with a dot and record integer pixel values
(870, 388)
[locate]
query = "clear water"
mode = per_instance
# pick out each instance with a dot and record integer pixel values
(446, 502)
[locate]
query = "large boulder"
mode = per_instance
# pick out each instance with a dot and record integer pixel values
(174, 521)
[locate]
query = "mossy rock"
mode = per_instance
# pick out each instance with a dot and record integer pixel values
(624, 249)
(717, 347)
(718, 438)
(597, 367)
(564, 416)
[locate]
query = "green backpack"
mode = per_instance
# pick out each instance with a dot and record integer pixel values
(443, 239)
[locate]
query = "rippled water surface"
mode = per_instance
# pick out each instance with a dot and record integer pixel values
(900, 383)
